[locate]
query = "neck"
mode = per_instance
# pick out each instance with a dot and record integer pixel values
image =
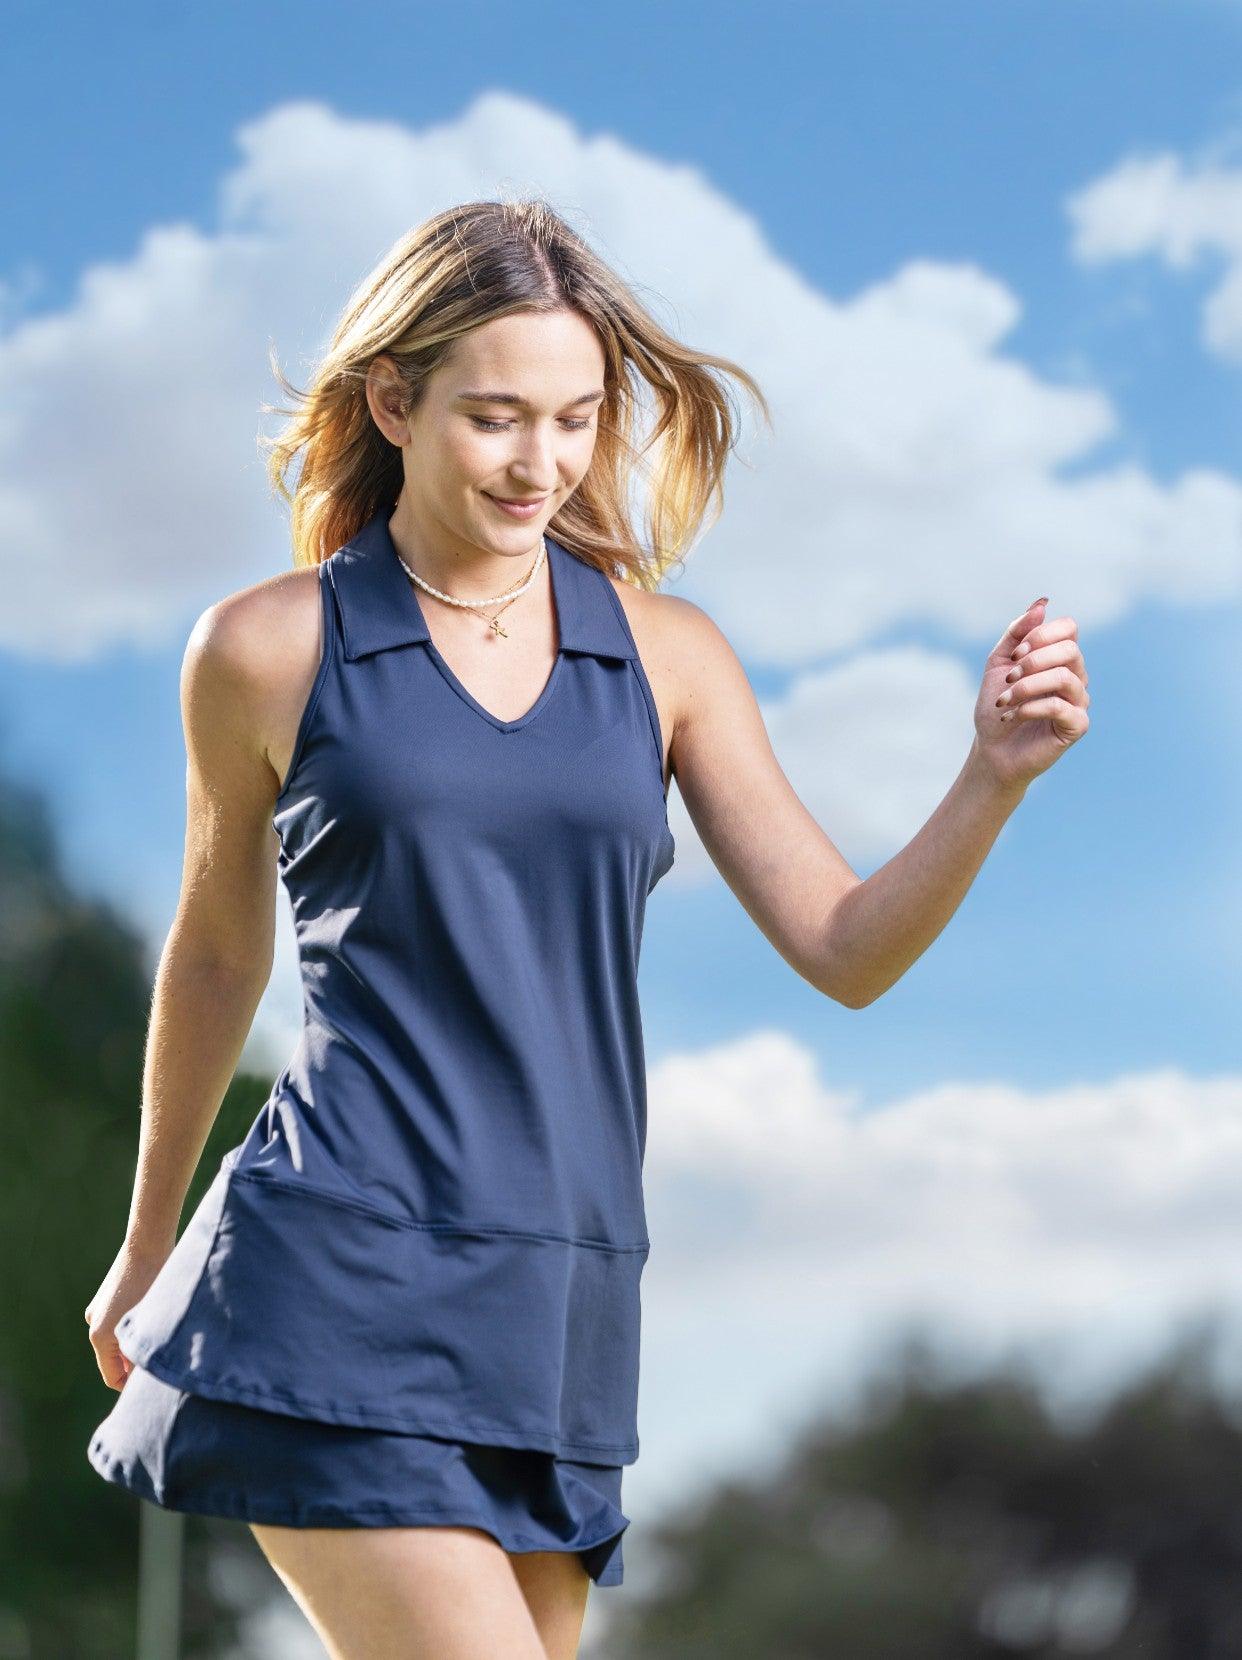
(452, 563)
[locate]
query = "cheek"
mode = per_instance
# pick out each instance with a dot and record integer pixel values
(577, 458)
(466, 460)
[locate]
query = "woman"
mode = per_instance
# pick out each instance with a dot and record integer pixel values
(399, 1335)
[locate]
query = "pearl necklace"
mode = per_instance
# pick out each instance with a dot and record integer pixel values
(474, 604)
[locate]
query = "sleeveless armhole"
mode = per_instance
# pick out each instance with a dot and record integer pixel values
(636, 663)
(326, 648)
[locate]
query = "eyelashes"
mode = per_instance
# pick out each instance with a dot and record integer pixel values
(485, 425)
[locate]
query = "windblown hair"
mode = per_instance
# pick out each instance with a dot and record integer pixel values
(464, 267)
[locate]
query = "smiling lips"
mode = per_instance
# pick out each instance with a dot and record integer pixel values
(519, 509)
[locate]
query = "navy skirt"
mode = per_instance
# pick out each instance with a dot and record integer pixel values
(220, 1458)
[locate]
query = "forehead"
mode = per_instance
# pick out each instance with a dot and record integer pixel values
(556, 354)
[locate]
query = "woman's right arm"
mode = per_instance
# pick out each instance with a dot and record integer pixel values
(218, 956)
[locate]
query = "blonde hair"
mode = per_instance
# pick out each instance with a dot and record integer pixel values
(464, 267)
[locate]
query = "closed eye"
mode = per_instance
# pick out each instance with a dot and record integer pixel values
(482, 422)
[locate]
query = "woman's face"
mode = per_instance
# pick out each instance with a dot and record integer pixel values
(511, 414)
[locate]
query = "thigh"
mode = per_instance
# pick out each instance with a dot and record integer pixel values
(555, 1585)
(401, 1593)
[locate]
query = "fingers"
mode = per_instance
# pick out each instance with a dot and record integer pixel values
(1044, 678)
(114, 1365)
(1065, 651)
(1068, 718)
(1019, 628)
(1059, 682)
(1045, 633)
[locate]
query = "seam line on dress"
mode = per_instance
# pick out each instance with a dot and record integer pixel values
(483, 1230)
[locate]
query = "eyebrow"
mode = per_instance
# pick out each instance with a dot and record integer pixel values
(521, 403)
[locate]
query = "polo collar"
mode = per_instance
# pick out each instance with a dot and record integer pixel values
(379, 605)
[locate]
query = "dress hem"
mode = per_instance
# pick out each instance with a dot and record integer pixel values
(235, 1507)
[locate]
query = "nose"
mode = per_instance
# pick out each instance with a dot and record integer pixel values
(534, 469)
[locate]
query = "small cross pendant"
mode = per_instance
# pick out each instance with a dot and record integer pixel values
(497, 629)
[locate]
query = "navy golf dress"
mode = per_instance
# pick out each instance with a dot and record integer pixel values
(411, 1294)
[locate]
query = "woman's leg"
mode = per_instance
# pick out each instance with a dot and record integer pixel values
(555, 1585)
(401, 1593)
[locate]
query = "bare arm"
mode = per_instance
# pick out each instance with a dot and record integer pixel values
(783, 868)
(1031, 708)
(887, 922)
(853, 938)
(248, 668)
(218, 955)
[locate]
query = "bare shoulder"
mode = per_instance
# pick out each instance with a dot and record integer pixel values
(679, 641)
(250, 658)
(243, 641)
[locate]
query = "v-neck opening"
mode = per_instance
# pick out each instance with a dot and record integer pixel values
(463, 691)
(468, 696)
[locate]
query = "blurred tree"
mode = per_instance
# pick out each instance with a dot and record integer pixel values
(74, 1000)
(954, 1522)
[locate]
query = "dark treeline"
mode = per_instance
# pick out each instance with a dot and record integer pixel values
(74, 998)
(957, 1521)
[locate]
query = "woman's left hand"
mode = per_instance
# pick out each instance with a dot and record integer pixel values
(1025, 723)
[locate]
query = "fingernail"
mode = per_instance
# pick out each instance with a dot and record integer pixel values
(1042, 600)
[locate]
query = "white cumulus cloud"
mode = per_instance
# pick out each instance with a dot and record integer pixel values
(796, 1229)
(1187, 214)
(915, 476)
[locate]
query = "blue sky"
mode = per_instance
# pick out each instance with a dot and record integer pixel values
(1008, 238)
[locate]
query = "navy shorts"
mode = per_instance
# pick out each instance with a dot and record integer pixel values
(220, 1458)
